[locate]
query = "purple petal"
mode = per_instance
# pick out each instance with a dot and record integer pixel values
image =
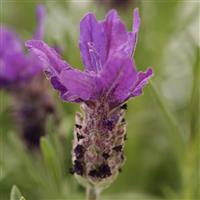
(51, 61)
(136, 21)
(133, 36)
(143, 78)
(67, 96)
(64, 93)
(117, 36)
(53, 66)
(99, 40)
(79, 84)
(13, 68)
(58, 86)
(117, 78)
(40, 16)
(34, 65)
(16, 67)
(92, 43)
(9, 42)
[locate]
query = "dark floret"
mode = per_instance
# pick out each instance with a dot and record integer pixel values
(71, 170)
(108, 124)
(118, 148)
(79, 151)
(94, 173)
(104, 171)
(78, 126)
(79, 136)
(124, 107)
(122, 156)
(105, 155)
(123, 120)
(78, 168)
(125, 137)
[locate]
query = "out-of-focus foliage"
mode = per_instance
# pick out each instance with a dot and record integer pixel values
(16, 194)
(162, 149)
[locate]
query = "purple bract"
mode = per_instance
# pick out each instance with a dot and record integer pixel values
(107, 50)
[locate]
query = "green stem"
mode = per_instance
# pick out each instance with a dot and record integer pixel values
(191, 179)
(92, 193)
(195, 100)
(175, 133)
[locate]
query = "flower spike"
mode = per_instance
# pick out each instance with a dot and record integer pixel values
(109, 80)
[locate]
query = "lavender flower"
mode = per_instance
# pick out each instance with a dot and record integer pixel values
(16, 67)
(21, 75)
(109, 79)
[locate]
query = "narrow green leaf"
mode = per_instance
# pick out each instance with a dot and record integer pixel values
(195, 98)
(176, 133)
(192, 159)
(16, 194)
(51, 161)
(47, 150)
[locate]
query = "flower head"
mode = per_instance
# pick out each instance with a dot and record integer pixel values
(110, 73)
(109, 79)
(21, 74)
(16, 67)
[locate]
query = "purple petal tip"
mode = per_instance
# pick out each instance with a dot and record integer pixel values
(40, 11)
(150, 71)
(40, 16)
(136, 22)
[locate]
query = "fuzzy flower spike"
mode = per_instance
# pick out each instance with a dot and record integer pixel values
(21, 74)
(109, 79)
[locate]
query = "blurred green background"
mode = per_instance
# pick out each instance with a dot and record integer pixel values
(162, 149)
